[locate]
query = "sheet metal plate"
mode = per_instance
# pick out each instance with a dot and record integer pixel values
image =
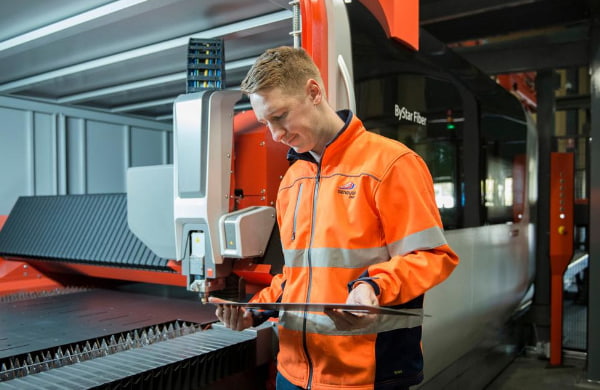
(321, 307)
(42, 323)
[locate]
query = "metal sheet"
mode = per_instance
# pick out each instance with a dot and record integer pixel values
(321, 307)
(39, 324)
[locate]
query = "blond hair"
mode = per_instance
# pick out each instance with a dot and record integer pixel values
(283, 67)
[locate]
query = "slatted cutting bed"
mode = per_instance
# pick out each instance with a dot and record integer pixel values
(107, 333)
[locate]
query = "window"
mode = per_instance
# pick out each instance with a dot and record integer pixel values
(425, 114)
(504, 147)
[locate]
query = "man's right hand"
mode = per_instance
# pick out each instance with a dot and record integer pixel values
(233, 317)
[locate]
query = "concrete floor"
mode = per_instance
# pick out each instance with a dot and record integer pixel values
(533, 373)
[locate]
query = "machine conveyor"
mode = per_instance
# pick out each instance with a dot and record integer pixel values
(114, 339)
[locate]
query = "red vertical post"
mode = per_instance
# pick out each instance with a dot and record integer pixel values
(315, 32)
(561, 243)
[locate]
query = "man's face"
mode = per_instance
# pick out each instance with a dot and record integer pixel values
(292, 119)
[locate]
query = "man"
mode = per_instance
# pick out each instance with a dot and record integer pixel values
(358, 224)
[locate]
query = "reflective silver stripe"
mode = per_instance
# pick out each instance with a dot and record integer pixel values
(295, 258)
(360, 258)
(296, 211)
(425, 239)
(336, 257)
(322, 324)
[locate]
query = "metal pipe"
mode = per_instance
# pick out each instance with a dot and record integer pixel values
(296, 22)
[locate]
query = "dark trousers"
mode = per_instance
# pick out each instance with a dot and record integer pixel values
(283, 384)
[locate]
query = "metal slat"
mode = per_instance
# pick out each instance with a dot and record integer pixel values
(87, 315)
(226, 346)
(76, 228)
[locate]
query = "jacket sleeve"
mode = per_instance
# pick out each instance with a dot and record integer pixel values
(273, 292)
(420, 257)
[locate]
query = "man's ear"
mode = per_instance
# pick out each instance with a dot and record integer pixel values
(313, 90)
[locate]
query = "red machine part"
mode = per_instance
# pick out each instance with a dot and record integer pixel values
(561, 243)
(400, 19)
(260, 162)
(315, 33)
(255, 276)
(522, 85)
(259, 166)
(19, 277)
(95, 271)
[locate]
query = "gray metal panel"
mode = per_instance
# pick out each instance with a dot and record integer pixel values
(469, 309)
(45, 154)
(75, 150)
(150, 207)
(106, 160)
(47, 149)
(191, 120)
(15, 157)
(78, 228)
(147, 147)
(88, 114)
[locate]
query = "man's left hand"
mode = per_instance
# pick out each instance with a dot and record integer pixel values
(362, 294)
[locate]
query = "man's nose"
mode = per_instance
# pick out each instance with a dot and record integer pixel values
(277, 132)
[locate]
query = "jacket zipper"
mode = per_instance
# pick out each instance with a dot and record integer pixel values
(296, 211)
(304, 340)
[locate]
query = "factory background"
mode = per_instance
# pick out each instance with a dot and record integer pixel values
(87, 91)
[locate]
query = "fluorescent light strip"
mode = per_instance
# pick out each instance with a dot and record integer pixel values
(122, 88)
(138, 106)
(182, 76)
(65, 24)
(147, 50)
(238, 107)
(152, 103)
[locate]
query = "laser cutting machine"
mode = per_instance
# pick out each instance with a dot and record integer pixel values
(105, 290)
(102, 290)
(180, 225)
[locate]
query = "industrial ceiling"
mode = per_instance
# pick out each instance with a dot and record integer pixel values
(129, 56)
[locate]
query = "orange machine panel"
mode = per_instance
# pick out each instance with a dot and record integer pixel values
(561, 243)
(400, 19)
(259, 164)
(315, 33)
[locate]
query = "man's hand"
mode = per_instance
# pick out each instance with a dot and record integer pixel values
(362, 294)
(236, 318)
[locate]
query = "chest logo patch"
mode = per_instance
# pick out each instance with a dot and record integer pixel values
(348, 189)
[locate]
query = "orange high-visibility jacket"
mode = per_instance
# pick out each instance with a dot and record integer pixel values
(366, 212)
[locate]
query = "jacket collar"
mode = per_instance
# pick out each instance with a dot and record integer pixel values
(346, 116)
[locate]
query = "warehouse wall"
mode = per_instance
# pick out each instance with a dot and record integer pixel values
(48, 149)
